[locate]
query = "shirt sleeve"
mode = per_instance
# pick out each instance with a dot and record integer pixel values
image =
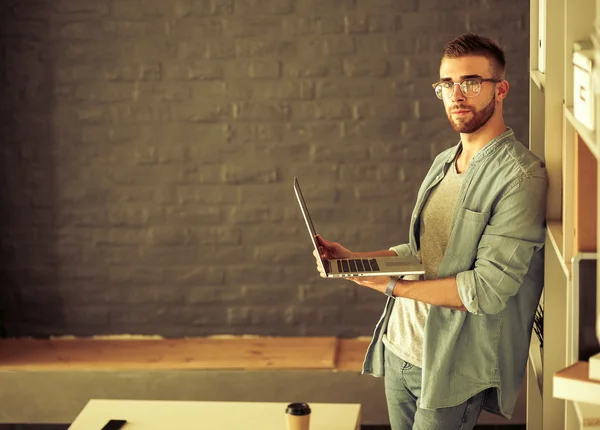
(401, 250)
(515, 230)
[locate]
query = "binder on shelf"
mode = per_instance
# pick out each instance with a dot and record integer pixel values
(583, 91)
(583, 308)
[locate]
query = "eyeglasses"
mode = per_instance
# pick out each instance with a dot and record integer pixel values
(470, 87)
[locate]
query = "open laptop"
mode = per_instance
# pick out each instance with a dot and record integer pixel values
(373, 266)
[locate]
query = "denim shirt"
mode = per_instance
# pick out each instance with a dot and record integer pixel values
(495, 250)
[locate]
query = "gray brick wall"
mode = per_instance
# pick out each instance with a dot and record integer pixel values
(149, 146)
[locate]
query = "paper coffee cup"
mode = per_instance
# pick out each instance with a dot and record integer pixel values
(298, 416)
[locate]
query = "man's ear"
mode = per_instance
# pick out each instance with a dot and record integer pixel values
(502, 89)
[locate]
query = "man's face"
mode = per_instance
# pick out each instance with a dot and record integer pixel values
(468, 114)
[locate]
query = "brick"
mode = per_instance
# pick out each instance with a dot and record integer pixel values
(246, 133)
(82, 52)
(128, 28)
(382, 109)
(278, 253)
(340, 45)
(191, 50)
(220, 49)
(217, 296)
(251, 172)
(135, 275)
(171, 92)
(196, 70)
(399, 152)
(252, 214)
(201, 175)
(128, 216)
(326, 6)
(391, 6)
(140, 113)
(260, 112)
(344, 292)
(215, 235)
(133, 72)
(135, 8)
(366, 315)
(117, 236)
(344, 88)
(321, 110)
(194, 194)
(104, 93)
(167, 256)
(316, 68)
(371, 129)
(38, 11)
(252, 26)
(432, 22)
(194, 216)
(82, 31)
(199, 8)
(310, 25)
(265, 47)
(72, 73)
(262, 7)
(207, 90)
(81, 217)
(261, 294)
(167, 235)
(201, 113)
(82, 7)
(381, 23)
(361, 67)
(285, 90)
(260, 316)
(369, 172)
(256, 69)
(355, 24)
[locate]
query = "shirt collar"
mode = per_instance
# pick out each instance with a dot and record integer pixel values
(490, 147)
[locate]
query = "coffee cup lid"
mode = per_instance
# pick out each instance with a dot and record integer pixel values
(298, 409)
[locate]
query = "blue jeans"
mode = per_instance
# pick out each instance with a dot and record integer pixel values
(402, 391)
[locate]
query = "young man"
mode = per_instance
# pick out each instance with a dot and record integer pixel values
(457, 341)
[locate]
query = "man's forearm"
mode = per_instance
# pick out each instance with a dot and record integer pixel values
(437, 292)
(381, 253)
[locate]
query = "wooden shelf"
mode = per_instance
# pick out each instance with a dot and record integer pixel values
(588, 415)
(538, 78)
(555, 232)
(588, 136)
(573, 383)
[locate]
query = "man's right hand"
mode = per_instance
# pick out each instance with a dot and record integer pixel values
(330, 250)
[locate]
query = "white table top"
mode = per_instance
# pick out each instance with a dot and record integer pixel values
(193, 415)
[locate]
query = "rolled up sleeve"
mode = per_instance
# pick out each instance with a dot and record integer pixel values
(402, 250)
(516, 229)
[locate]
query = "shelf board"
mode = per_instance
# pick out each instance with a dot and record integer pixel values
(588, 415)
(573, 383)
(535, 357)
(588, 136)
(556, 238)
(539, 78)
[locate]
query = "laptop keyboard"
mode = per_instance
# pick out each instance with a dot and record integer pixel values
(358, 265)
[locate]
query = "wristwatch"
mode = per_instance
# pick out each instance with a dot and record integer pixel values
(389, 289)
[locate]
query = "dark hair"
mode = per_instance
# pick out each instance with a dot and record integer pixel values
(471, 45)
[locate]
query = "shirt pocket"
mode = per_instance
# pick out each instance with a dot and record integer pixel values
(467, 232)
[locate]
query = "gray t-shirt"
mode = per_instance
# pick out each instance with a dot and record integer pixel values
(406, 325)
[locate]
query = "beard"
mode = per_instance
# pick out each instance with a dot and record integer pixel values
(479, 118)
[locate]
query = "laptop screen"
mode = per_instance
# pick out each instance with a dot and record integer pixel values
(308, 221)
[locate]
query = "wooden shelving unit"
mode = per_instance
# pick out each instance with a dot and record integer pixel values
(560, 394)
